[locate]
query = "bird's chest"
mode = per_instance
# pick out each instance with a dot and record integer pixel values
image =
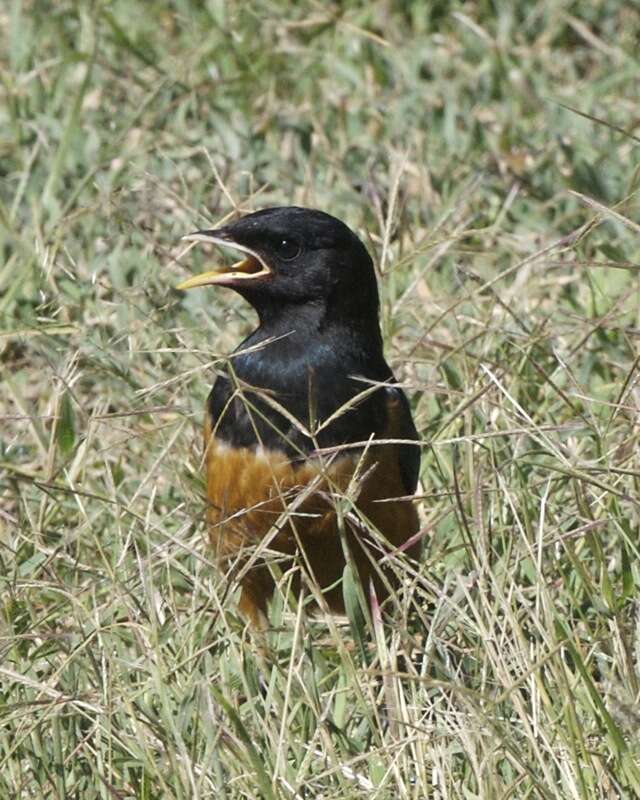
(288, 404)
(253, 490)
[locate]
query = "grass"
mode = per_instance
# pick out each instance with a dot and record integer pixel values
(488, 153)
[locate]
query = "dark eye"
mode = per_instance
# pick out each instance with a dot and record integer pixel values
(287, 249)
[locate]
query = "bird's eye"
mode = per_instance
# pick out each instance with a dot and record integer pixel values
(287, 249)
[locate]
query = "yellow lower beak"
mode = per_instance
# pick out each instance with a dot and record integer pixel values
(246, 269)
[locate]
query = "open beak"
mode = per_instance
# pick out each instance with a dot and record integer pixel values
(251, 268)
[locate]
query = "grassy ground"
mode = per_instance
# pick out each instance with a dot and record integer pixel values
(489, 154)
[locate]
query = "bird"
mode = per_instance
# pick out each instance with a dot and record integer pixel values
(311, 454)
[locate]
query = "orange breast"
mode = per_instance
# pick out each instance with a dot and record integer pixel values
(259, 498)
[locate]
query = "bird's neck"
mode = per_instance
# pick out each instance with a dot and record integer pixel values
(309, 324)
(304, 337)
(278, 318)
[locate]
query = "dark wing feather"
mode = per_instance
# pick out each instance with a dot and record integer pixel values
(402, 427)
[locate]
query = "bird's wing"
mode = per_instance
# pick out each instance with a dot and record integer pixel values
(399, 425)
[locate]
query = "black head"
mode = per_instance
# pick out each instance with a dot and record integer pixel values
(295, 257)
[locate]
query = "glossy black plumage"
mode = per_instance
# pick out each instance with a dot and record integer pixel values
(317, 345)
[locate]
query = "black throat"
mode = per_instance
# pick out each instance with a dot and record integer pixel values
(296, 341)
(309, 363)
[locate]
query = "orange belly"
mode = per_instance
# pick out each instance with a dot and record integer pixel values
(260, 499)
